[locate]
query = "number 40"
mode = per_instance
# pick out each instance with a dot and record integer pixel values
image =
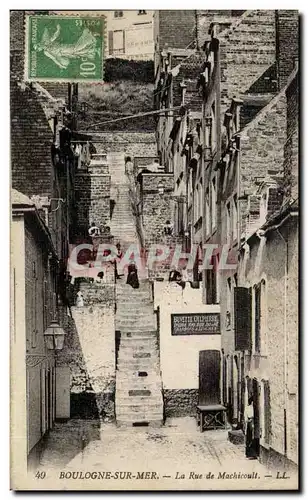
(40, 474)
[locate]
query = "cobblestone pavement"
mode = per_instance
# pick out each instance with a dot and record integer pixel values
(173, 456)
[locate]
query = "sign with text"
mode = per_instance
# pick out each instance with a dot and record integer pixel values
(195, 324)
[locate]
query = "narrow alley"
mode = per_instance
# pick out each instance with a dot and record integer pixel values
(176, 454)
(154, 250)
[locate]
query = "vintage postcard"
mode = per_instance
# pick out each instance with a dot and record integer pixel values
(154, 250)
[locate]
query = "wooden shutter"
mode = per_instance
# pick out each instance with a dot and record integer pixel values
(242, 318)
(257, 317)
(110, 42)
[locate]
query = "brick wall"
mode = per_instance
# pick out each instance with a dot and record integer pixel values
(17, 43)
(31, 140)
(247, 51)
(262, 144)
(291, 145)
(175, 28)
(92, 196)
(287, 43)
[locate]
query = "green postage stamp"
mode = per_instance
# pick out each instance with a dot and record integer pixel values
(64, 48)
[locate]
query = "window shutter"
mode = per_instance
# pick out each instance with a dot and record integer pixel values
(242, 318)
(110, 42)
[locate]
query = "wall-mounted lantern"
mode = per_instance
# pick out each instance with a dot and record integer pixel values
(54, 336)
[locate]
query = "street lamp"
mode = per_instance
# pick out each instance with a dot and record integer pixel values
(54, 336)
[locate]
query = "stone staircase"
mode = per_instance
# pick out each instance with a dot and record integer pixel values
(139, 399)
(122, 223)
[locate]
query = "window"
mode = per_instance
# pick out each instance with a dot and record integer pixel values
(228, 222)
(207, 214)
(196, 214)
(267, 412)
(211, 282)
(214, 201)
(234, 217)
(118, 13)
(257, 322)
(118, 42)
(141, 12)
(200, 201)
(229, 304)
(213, 138)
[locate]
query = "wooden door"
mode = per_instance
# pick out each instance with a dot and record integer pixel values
(256, 411)
(209, 377)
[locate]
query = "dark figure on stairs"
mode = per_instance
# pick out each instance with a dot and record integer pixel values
(132, 277)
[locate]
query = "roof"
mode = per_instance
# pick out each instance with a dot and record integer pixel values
(18, 198)
(21, 204)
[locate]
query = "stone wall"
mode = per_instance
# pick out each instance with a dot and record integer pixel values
(291, 146)
(247, 51)
(156, 208)
(89, 351)
(180, 402)
(174, 28)
(134, 144)
(92, 196)
(287, 25)
(97, 293)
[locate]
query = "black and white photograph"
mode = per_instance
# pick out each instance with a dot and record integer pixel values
(154, 263)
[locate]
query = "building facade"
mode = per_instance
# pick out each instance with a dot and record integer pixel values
(46, 152)
(226, 136)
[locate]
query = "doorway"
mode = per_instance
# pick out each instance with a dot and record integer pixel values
(209, 377)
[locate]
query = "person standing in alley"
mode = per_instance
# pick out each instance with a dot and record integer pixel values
(250, 442)
(94, 230)
(132, 277)
(118, 260)
(168, 228)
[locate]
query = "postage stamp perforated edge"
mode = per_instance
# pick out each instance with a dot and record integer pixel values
(27, 77)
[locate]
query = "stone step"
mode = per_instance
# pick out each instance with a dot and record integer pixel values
(140, 417)
(139, 344)
(137, 328)
(151, 383)
(134, 302)
(124, 313)
(125, 309)
(138, 334)
(130, 415)
(125, 368)
(129, 356)
(123, 391)
(143, 424)
(124, 290)
(137, 322)
(147, 401)
(123, 411)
